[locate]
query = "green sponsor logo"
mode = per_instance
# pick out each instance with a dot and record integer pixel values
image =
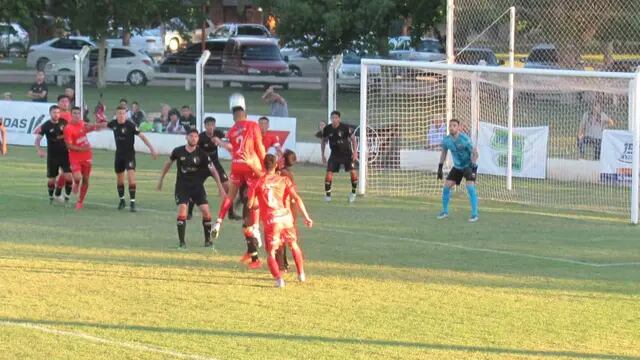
(499, 143)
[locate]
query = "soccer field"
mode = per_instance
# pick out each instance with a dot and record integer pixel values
(385, 279)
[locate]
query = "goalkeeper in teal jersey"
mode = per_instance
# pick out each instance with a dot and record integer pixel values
(465, 158)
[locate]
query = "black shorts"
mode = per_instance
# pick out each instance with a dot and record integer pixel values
(457, 175)
(124, 162)
(195, 192)
(223, 175)
(54, 163)
(334, 163)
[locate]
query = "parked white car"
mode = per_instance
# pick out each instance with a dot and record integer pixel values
(146, 40)
(348, 76)
(429, 49)
(56, 50)
(300, 65)
(123, 64)
(231, 30)
(14, 39)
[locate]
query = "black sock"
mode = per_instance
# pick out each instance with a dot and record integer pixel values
(206, 225)
(191, 204)
(327, 188)
(182, 227)
(132, 192)
(354, 186)
(252, 247)
(58, 191)
(51, 185)
(68, 186)
(121, 191)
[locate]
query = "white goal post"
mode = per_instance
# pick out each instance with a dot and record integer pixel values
(557, 158)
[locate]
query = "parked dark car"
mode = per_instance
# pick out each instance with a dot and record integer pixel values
(185, 60)
(473, 56)
(623, 65)
(254, 56)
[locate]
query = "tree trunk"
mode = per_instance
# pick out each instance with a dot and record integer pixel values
(126, 38)
(102, 48)
(324, 82)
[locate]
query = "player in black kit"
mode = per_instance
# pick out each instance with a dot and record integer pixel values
(57, 154)
(344, 152)
(124, 132)
(209, 141)
(194, 166)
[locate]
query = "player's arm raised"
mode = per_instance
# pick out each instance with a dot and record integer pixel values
(146, 141)
(165, 170)
(223, 144)
(39, 150)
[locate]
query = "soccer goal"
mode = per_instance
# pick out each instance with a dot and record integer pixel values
(552, 138)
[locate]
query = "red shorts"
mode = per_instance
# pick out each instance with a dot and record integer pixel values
(278, 231)
(83, 167)
(239, 177)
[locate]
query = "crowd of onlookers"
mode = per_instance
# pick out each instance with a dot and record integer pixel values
(169, 120)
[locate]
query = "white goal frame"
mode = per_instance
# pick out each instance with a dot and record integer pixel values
(634, 106)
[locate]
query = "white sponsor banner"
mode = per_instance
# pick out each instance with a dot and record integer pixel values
(22, 118)
(529, 150)
(616, 155)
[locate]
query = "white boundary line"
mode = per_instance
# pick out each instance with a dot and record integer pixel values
(105, 341)
(412, 240)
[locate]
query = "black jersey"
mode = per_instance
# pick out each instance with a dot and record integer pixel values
(125, 136)
(188, 122)
(206, 143)
(54, 133)
(39, 89)
(193, 167)
(339, 139)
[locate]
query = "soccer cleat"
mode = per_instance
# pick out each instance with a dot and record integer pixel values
(79, 205)
(182, 245)
(215, 230)
(474, 218)
(255, 265)
(280, 283)
(208, 243)
(132, 207)
(246, 258)
(302, 277)
(352, 197)
(327, 198)
(256, 234)
(442, 215)
(121, 205)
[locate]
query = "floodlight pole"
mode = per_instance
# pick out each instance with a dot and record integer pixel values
(512, 42)
(79, 76)
(200, 88)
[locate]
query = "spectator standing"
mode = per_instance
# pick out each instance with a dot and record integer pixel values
(278, 103)
(39, 90)
(187, 119)
(137, 115)
(592, 125)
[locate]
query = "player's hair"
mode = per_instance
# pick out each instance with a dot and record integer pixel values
(120, 107)
(174, 112)
(290, 157)
(270, 162)
(336, 112)
(455, 121)
(192, 131)
(62, 96)
(124, 100)
(53, 107)
(76, 108)
(186, 107)
(209, 119)
(264, 118)
(134, 103)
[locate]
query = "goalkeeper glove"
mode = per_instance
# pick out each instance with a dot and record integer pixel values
(474, 171)
(440, 176)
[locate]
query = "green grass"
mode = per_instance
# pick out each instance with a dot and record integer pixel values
(385, 279)
(303, 104)
(13, 64)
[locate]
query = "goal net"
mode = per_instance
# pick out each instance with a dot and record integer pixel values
(570, 135)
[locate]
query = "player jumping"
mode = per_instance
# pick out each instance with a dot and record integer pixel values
(245, 140)
(124, 132)
(344, 151)
(57, 154)
(80, 155)
(271, 192)
(193, 168)
(465, 158)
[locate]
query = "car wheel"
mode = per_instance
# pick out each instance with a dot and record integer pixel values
(295, 71)
(174, 44)
(41, 63)
(137, 78)
(226, 84)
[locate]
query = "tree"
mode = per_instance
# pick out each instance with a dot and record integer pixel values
(323, 29)
(424, 15)
(101, 19)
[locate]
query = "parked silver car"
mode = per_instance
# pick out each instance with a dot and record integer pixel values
(55, 50)
(230, 30)
(14, 39)
(428, 49)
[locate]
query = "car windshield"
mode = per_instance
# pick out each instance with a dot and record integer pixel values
(261, 52)
(351, 59)
(250, 31)
(543, 56)
(152, 32)
(471, 57)
(430, 46)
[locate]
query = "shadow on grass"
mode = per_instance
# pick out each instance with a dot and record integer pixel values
(325, 339)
